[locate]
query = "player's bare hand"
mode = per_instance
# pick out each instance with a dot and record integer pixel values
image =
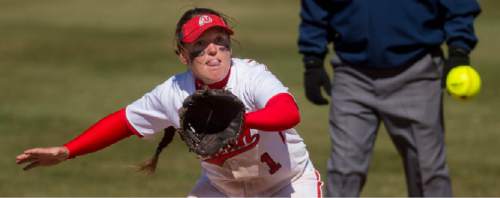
(42, 156)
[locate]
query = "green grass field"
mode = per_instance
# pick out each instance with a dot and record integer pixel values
(66, 64)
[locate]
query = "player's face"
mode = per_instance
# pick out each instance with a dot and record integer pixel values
(209, 57)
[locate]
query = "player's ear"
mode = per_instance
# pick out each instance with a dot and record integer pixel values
(183, 58)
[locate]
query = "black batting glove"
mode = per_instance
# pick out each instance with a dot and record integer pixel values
(456, 56)
(315, 77)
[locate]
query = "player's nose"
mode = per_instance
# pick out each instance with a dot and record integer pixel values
(212, 49)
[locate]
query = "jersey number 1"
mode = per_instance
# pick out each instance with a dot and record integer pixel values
(273, 166)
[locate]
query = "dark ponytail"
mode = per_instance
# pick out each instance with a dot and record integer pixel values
(149, 166)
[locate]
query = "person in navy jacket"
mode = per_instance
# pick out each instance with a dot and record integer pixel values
(388, 68)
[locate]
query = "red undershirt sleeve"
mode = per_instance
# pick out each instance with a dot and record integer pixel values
(280, 113)
(105, 132)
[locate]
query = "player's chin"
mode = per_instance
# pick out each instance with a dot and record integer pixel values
(216, 74)
(215, 78)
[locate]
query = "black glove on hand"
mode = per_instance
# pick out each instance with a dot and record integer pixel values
(456, 56)
(316, 77)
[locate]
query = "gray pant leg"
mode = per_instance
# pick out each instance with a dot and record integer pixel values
(410, 104)
(411, 109)
(353, 128)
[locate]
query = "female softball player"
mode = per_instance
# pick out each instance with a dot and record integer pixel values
(272, 159)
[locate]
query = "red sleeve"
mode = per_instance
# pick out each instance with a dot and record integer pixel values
(106, 132)
(280, 113)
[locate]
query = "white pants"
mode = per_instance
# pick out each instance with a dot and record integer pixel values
(307, 185)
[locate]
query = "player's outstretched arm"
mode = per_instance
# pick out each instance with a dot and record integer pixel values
(106, 132)
(47, 156)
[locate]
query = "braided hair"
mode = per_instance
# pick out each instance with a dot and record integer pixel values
(149, 166)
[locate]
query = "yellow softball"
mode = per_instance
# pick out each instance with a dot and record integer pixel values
(463, 82)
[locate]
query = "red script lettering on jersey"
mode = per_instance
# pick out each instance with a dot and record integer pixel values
(245, 142)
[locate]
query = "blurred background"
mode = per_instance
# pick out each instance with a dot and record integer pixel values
(66, 64)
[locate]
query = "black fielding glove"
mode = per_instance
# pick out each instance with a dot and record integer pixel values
(315, 77)
(456, 56)
(211, 121)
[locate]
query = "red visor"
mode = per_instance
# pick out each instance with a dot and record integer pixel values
(195, 27)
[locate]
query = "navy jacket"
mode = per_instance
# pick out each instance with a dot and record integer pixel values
(385, 33)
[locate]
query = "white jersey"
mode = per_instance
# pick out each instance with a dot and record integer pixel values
(267, 162)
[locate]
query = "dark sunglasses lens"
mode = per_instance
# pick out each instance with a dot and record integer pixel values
(223, 42)
(199, 49)
(195, 53)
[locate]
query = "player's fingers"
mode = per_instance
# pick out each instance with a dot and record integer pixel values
(23, 158)
(31, 165)
(39, 155)
(41, 152)
(35, 151)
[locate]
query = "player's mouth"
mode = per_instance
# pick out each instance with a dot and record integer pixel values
(213, 62)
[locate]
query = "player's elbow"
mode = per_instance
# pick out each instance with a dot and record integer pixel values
(293, 118)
